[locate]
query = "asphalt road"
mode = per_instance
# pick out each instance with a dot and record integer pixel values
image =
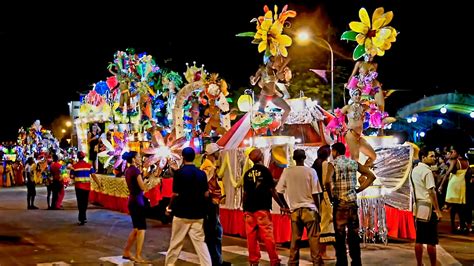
(52, 237)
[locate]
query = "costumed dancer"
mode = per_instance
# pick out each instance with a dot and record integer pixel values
(271, 40)
(373, 39)
(355, 113)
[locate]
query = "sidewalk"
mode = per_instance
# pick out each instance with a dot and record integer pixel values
(460, 247)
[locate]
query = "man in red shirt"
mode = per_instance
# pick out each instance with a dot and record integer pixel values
(81, 173)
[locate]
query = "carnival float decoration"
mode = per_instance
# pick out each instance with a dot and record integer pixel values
(203, 95)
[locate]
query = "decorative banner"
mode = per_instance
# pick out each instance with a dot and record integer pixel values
(320, 72)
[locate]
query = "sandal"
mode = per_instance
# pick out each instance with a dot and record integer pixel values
(128, 258)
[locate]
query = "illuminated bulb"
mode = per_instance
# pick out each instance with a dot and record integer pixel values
(439, 121)
(422, 134)
(443, 110)
(471, 114)
(409, 120)
(414, 119)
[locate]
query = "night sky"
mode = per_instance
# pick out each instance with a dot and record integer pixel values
(51, 56)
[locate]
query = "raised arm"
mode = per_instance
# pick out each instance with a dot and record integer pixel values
(452, 163)
(354, 71)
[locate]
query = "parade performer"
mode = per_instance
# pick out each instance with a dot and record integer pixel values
(270, 38)
(373, 39)
(355, 112)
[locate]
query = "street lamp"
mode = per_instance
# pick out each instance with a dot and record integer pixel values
(69, 124)
(304, 37)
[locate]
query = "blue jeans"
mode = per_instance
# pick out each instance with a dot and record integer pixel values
(213, 232)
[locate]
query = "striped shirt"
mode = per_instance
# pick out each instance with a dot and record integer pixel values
(82, 174)
(345, 179)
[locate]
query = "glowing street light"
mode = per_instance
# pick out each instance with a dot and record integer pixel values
(443, 110)
(68, 123)
(304, 37)
(63, 130)
(439, 121)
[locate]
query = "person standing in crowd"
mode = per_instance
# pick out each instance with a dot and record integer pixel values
(188, 204)
(344, 196)
(18, 169)
(93, 141)
(48, 181)
(259, 188)
(301, 186)
(212, 223)
(457, 179)
(82, 173)
(136, 206)
(9, 175)
(57, 184)
(2, 169)
(327, 235)
(30, 183)
(424, 189)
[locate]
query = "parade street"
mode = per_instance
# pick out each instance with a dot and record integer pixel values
(52, 237)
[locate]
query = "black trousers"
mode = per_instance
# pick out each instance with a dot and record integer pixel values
(82, 197)
(213, 233)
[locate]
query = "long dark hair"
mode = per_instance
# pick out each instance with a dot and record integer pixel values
(128, 156)
(323, 155)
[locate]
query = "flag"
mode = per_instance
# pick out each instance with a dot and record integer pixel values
(320, 72)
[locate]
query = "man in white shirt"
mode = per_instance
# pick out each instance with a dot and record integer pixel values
(424, 190)
(302, 189)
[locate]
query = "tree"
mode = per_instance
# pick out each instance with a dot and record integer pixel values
(316, 87)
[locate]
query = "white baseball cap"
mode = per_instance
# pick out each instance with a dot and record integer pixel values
(212, 148)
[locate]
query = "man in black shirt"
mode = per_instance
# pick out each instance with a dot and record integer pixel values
(190, 191)
(259, 188)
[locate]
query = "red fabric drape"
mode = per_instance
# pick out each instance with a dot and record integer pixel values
(400, 224)
(109, 202)
(121, 203)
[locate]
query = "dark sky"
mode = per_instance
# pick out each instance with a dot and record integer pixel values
(48, 56)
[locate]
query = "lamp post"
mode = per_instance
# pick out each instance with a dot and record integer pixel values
(303, 37)
(68, 125)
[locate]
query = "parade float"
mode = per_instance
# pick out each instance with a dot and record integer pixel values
(384, 207)
(157, 112)
(152, 111)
